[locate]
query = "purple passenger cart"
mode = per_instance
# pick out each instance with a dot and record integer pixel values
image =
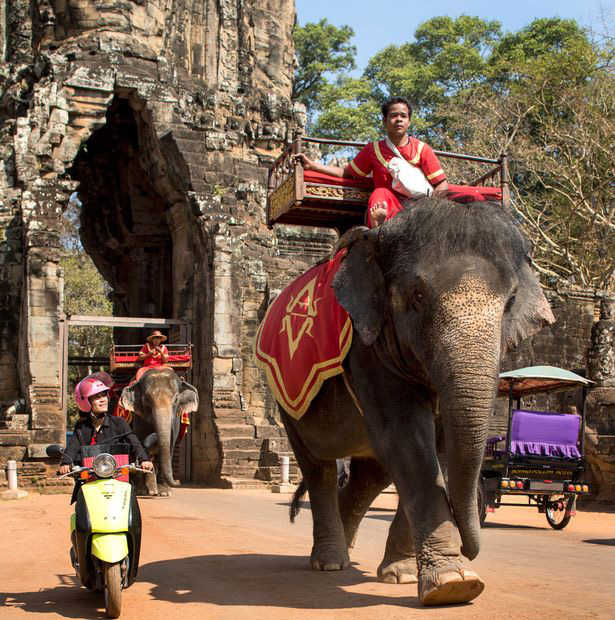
(541, 455)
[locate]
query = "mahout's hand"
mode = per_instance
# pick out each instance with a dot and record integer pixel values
(304, 160)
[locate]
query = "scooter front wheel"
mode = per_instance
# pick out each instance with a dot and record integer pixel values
(113, 589)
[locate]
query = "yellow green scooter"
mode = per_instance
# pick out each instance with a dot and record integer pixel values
(105, 528)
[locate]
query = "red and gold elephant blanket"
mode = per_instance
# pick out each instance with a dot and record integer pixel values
(304, 337)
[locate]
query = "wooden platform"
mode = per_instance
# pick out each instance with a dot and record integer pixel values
(307, 198)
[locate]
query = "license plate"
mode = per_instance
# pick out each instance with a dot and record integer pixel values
(541, 485)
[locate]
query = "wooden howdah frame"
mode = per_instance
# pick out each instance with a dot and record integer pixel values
(291, 199)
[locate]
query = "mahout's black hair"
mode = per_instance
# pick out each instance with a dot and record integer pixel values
(389, 102)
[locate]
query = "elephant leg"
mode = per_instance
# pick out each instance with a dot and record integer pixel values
(442, 577)
(404, 440)
(151, 483)
(399, 562)
(329, 550)
(367, 479)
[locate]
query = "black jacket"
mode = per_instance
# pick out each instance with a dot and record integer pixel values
(114, 430)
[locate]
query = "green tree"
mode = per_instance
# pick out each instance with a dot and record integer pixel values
(448, 55)
(85, 292)
(321, 49)
(550, 103)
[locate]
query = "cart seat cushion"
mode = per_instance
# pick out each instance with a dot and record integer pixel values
(456, 193)
(134, 358)
(543, 433)
(311, 176)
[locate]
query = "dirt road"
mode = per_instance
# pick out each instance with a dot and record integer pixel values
(234, 555)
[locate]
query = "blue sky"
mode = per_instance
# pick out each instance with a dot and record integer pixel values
(378, 23)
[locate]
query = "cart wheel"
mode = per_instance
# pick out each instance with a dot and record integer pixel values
(555, 512)
(481, 497)
(113, 589)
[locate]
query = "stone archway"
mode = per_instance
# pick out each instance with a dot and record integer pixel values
(125, 215)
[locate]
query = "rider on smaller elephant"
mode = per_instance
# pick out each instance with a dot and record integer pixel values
(154, 353)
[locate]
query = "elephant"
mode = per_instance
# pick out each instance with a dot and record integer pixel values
(157, 399)
(436, 295)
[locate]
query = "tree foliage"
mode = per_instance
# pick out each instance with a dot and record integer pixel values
(86, 293)
(544, 94)
(321, 49)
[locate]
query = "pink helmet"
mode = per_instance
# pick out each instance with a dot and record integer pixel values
(85, 389)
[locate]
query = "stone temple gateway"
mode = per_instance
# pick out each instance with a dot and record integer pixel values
(164, 116)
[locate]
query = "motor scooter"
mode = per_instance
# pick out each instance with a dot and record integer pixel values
(106, 525)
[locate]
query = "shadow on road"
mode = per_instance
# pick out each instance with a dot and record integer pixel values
(510, 526)
(609, 542)
(68, 600)
(263, 580)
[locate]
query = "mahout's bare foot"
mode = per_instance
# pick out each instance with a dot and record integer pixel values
(377, 213)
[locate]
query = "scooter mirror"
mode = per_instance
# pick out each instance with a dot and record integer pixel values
(150, 441)
(55, 450)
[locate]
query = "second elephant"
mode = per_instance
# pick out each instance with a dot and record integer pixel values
(157, 399)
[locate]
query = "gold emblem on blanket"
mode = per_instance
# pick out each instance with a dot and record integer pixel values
(302, 305)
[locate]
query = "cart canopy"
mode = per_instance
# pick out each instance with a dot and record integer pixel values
(535, 379)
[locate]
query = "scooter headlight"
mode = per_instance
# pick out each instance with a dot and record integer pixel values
(104, 466)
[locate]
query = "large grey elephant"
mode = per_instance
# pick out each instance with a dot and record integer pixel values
(436, 295)
(157, 400)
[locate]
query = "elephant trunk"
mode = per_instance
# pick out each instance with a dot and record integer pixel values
(163, 422)
(466, 381)
(466, 422)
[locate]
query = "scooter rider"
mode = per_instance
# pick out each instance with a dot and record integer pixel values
(92, 396)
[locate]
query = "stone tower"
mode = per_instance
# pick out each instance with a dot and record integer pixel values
(164, 117)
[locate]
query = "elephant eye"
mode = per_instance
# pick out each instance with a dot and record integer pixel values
(417, 299)
(510, 303)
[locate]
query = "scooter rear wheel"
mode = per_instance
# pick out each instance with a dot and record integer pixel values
(113, 589)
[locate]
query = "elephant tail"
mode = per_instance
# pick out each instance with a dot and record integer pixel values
(295, 505)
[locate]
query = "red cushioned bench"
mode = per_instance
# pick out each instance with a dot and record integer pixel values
(307, 198)
(127, 357)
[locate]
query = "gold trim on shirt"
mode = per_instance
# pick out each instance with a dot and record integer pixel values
(381, 159)
(357, 169)
(419, 149)
(433, 175)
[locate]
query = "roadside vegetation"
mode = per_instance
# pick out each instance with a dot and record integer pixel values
(86, 293)
(545, 95)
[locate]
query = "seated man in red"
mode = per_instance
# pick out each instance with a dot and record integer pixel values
(154, 353)
(385, 202)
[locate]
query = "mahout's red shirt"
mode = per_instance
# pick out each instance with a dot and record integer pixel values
(156, 359)
(373, 158)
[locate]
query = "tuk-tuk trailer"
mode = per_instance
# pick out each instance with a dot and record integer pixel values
(542, 454)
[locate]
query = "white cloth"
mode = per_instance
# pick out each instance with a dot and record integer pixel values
(408, 180)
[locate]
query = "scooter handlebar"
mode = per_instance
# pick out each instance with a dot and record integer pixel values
(135, 467)
(132, 467)
(73, 472)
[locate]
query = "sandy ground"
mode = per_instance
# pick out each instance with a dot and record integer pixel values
(234, 555)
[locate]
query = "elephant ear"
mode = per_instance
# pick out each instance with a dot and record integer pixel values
(359, 287)
(188, 398)
(130, 398)
(530, 311)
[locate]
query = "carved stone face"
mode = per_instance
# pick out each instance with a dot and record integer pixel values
(607, 309)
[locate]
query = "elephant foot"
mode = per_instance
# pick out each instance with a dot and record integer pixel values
(164, 491)
(449, 586)
(329, 559)
(399, 571)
